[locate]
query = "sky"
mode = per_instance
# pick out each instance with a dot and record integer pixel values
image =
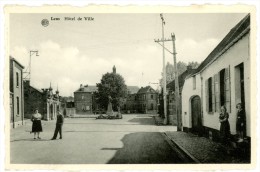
(80, 52)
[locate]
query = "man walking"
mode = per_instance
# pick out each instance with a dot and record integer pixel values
(59, 123)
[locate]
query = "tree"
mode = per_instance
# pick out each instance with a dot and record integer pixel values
(181, 66)
(111, 84)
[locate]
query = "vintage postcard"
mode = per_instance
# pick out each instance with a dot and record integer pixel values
(130, 87)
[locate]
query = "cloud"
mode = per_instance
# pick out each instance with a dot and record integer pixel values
(68, 66)
(191, 50)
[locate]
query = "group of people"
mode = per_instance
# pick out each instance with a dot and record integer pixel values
(225, 127)
(37, 125)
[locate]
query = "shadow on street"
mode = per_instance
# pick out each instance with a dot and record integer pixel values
(144, 148)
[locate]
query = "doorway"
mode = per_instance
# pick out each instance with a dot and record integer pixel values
(196, 115)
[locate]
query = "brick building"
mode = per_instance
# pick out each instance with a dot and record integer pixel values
(147, 100)
(44, 100)
(16, 93)
(171, 103)
(84, 99)
(129, 102)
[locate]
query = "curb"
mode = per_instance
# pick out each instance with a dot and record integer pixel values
(174, 145)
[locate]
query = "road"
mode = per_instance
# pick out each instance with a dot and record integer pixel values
(131, 140)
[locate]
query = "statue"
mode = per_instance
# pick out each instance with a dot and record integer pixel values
(109, 107)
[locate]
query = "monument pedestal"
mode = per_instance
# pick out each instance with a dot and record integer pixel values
(110, 110)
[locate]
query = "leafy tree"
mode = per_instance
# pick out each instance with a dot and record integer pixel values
(111, 84)
(181, 66)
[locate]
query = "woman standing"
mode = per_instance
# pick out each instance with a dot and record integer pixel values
(37, 125)
(224, 125)
(241, 121)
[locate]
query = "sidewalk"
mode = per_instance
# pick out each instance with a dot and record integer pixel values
(204, 150)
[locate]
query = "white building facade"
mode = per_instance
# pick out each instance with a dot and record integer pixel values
(223, 78)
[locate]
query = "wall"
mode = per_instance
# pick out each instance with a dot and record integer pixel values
(33, 99)
(187, 94)
(235, 55)
(83, 99)
(18, 112)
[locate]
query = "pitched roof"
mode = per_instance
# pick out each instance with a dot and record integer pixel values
(181, 79)
(234, 34)
(132, 89)
(87, 88)
(146, 89)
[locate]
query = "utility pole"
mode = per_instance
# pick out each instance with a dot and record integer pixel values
(164, 73)
(177, 94)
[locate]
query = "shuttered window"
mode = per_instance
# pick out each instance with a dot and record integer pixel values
(227, 90)
(217, 93)
(207, 95)
(213, 94)
(210, 100)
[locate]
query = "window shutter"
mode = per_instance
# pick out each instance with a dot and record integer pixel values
(217, 93)
(213, 94)
(207, 95)
(227, 90)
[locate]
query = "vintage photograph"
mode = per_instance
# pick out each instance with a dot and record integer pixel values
(130, 88)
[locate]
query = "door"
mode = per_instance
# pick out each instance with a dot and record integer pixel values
(196, 114)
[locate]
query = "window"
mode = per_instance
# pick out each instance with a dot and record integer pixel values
(17, 79)
(194, 82)
(82, 97)
(151, 106)
(218, 91)
(222, 87)
(209, 92)
(18, 107)
(151, 96)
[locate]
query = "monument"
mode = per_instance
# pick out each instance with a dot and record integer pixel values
(109, 107)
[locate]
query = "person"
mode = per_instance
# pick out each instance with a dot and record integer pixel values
(36, 124)
(224, 125)
(241, 121)
(58, 128)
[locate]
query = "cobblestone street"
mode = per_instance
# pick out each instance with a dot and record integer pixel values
(134, 139)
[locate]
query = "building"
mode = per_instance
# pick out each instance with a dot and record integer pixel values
(16, 93)
(84, 99)
(130, 101)
(44, 100)
(146, 100)
(68, 105)
(223, 78)
(171, 103)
